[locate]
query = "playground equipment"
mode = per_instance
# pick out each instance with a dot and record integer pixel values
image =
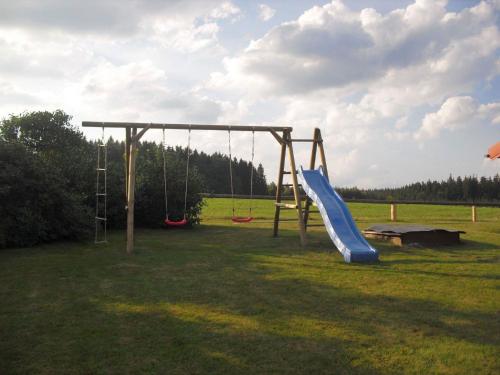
(234, 217)
(337, 219)
(183, 221)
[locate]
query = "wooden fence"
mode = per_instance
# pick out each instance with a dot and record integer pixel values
(393, 203)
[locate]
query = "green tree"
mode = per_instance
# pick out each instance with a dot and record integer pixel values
(35, 205)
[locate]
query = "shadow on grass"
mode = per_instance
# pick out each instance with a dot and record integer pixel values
(229, 299)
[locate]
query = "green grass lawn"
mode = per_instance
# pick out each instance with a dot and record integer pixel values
(224, 298)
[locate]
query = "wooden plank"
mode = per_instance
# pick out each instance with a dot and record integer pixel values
(127, 161)
(151, 125)
(429, 203)
(312, 164)
(134, 143)
(131, 195)
(279, 187)
(296, 192)
(322, 152)
(374, 201)
(242, 196)
(138, 136)
(394, 212)
(276, 136)
(286, 205)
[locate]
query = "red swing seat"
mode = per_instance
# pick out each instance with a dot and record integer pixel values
(238, 219)
(179, 223)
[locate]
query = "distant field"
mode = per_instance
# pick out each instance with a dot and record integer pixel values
(229, 299)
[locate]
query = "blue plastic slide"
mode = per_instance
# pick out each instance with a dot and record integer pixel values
(337, 218)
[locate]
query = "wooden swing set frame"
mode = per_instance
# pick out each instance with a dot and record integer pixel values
(282, 134)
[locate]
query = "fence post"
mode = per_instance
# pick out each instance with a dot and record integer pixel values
(474, 214)
(394, 212)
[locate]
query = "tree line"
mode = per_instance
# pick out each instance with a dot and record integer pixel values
(459, 189)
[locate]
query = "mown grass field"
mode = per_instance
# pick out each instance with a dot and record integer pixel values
(230, 299)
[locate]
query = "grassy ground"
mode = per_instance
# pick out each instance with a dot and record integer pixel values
(225, 298)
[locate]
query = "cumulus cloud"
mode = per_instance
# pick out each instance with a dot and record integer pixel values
(365, 77)
(226, 10)
(457, 113)
(140, 90)
(266, 12)
(332, 46)
(105, 16)
(188, 25)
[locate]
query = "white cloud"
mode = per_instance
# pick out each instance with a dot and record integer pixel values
(332, 47)
(266, 12)
(457, 113)
(226, 10)
(140, 91)
(186, 25)
(185, 37)
(98, 17)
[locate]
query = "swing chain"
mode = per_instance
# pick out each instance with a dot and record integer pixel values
(251, 173)
(187, 171)
(165, 175)
(231, 170)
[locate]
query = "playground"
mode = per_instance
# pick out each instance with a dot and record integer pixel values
(231, 298)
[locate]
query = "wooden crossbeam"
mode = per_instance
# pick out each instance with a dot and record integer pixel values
(151, 125)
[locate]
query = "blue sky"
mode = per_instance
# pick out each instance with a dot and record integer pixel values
(402, 90)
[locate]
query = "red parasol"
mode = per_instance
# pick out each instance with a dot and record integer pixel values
(494, 151)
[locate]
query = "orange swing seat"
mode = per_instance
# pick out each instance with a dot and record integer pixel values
(172, 223)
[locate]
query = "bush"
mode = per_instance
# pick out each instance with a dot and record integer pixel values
(35, 205)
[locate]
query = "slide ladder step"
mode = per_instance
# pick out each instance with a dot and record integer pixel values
(290, 206)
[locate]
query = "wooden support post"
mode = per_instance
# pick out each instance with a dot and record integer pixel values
(474, 214)
(321, 151)
(394, 212)
(312, 165)
(134, 143)
(296, 192)
(131, 193)
(127, 162)
(279, 186)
